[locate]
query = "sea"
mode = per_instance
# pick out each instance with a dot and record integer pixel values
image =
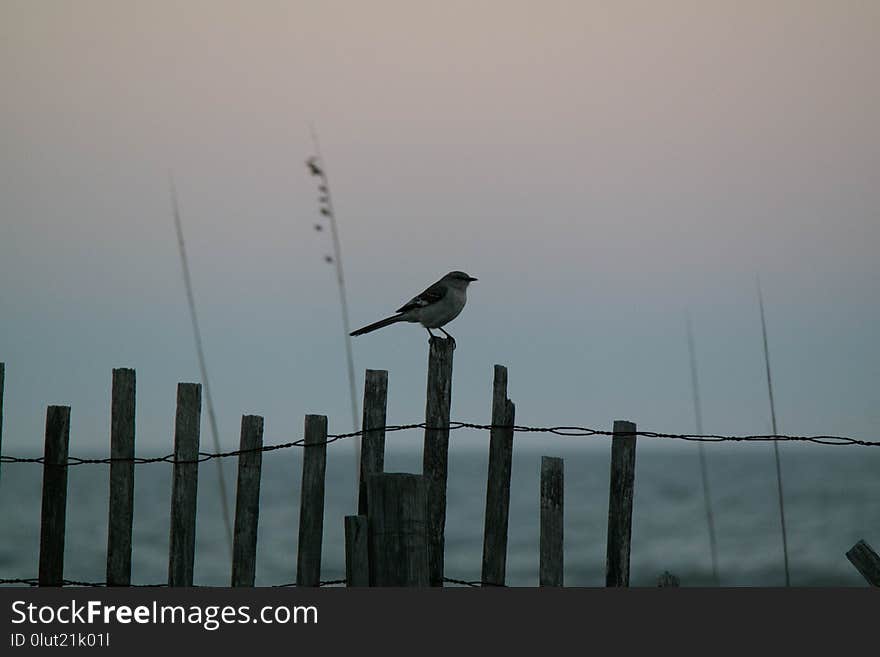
(831, 497)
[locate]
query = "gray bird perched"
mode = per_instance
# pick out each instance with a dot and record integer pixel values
(433, 308)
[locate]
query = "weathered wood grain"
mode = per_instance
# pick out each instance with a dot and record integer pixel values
(184, 486)
(550, 571)
(373, 426)
(498, 483)
(436, 451)
(54, 506)
(866, 561)
(357, 551)
(398, 530)
(247, 502)
(620, 503)
(311, 511)
(121, 508)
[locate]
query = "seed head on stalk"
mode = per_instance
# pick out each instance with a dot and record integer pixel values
(315, 166)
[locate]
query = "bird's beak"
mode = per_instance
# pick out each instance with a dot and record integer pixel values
(471, 279)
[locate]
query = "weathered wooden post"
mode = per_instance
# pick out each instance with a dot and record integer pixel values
(436, 452)
(498, 483)
(357, 551)
(373, 426)
(866, 561)
(247, 501)
(185, 483)
(552, 491)
(311, 510)
(398, 537)
(620, 503)
(121, 510)
(54, 511)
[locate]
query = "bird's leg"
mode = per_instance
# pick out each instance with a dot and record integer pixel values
(431, 334)
(447, 335)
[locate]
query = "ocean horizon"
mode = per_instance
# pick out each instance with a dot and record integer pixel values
(832, 499)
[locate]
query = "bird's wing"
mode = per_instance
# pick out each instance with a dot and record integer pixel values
(430, 296)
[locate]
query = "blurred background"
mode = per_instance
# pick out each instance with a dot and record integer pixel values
(602, 168)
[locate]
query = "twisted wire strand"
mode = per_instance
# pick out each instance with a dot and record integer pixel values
(33, 581)
(563, 431)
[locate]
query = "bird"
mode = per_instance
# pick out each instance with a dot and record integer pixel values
(434, 308)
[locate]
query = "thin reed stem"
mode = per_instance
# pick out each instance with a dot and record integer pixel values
(704, 474)
(775, 444)
(203, 367)
(317, 168)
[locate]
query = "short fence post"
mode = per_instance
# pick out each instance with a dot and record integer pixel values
(311, 510)
(54, 509)
(866, 561)
(498, 483)
(620, 503)
(436, 452)
(122, 413)
(552, 491)
(247, 501)
(357, 569)
(373, 427)
(398, 539)
(185, 483)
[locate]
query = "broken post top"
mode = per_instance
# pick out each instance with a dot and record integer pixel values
(499, 383)
(502, 407)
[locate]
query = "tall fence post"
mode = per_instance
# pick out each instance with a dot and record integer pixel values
(550, 570)
(247, 501)
(121, 508)
(498, 483)
(357, 551)
(436, 452)
(185, 483)
(866, 561)
(311, 510)
(373, 426)
(620, 503)
(54, 511)
(398, 538)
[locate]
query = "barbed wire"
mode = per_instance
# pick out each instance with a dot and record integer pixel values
(33, 581)
(562, 431)
(323, 582)
(472, 583)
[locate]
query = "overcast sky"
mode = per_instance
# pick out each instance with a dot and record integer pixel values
(601, 167)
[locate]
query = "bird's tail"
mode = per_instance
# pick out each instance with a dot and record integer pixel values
(377, 325)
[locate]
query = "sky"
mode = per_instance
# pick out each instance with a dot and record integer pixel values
(603, 168)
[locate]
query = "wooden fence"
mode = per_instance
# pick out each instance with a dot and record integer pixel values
(397, 536)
